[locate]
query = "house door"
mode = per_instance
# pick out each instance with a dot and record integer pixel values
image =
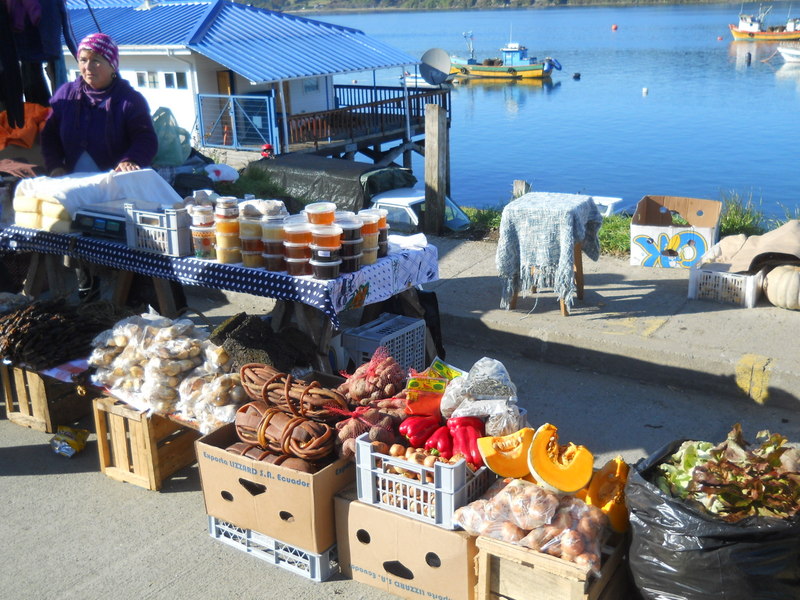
(225, 87)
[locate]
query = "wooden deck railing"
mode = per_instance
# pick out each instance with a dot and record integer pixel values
(382, 114)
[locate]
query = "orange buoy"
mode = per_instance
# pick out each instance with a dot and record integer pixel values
(719, 38)
(614, 27)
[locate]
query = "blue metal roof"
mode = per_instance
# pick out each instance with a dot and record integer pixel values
(259, 44)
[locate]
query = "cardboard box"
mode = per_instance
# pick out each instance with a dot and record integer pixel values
(657, 241)
(402, 556)
(282, 503)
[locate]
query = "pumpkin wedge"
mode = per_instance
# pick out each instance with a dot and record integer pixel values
(507, 455)
(559, 468)
(606, 490)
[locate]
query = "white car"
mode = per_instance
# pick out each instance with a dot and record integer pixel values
(406, 207)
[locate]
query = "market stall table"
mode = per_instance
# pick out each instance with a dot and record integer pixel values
(315, 303)
(542, 235)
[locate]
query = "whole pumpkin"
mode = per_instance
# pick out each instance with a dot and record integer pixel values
(782, 286)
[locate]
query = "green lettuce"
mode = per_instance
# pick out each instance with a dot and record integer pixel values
(733, 480)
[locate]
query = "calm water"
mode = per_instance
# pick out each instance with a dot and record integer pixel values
(707, 125)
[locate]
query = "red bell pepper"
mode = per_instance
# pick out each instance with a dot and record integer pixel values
(465, 432)
(441, 442)
(454, 423)
(419, 429)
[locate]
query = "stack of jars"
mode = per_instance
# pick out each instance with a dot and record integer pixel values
(326, 240)
(250, 232)
(375, 232)
(226, 222)
(204, 239)
(352, 242)
(272, 237)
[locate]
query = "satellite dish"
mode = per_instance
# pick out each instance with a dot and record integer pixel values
(435, 67)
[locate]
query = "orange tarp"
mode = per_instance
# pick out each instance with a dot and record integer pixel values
(25, 136)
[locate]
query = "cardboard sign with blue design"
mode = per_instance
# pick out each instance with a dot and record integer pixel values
(659, 240)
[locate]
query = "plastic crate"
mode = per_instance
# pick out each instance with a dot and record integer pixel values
(317, 567)
(431, 497)
(403, 337)
(162, 232)
(709, 280)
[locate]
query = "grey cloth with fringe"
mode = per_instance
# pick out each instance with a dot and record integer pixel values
(539, 230)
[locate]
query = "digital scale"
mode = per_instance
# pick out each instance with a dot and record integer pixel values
(100, 224)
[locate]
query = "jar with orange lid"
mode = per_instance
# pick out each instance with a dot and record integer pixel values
(297, 233)
(382, 214)
(327, 236)
(320, 213)
(370, 222)
(227, 226)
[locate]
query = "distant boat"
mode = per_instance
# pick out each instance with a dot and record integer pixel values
(514, 64)
(415, 80)
(753, 28)
(790, 54)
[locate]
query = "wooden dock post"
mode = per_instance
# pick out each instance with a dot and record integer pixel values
(436, 152)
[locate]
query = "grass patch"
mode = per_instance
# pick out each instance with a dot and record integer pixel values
(615, 235)
(741, 215)
(484, 219)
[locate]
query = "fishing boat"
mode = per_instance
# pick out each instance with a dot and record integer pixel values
(513, 64)
(790, 54)
(754, 29)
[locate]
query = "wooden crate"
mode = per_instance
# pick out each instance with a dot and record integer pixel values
(140, 448)
(511, 572)
(41, 402)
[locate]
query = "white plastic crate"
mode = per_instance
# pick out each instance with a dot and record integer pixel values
(317, 567)
(710, 280)
(431, 497)
(166, 233)
(403, 337)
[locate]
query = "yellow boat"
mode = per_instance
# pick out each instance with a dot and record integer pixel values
(752, 28)
(515, 64)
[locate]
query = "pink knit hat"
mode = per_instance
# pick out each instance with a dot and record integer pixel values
(103, 45)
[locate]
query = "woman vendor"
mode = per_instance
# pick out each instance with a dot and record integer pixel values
(99, 122)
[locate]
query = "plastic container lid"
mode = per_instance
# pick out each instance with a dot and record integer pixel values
(323, 263)
(320, 207)
(208, 229)
(326, 230)
(298, 218)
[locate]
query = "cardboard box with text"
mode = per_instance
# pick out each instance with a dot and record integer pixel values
(288, 505)
(657, 240)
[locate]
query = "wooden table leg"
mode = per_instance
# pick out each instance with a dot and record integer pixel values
(579, 270)
(122, 288)
(166, 299)
(316, 324)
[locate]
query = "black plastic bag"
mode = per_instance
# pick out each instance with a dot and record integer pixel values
(678, 552)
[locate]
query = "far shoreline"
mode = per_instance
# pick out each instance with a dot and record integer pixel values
(565, 4)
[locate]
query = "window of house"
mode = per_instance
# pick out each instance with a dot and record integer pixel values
(175, 81)
(311, 85)
(147, 79)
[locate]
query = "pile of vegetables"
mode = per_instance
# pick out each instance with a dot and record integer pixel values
(733, 480)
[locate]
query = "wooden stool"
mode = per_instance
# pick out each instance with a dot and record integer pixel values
(577, 270)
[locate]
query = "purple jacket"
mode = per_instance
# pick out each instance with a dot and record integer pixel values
(112, 126)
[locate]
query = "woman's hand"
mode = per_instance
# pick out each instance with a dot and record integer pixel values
(126, 165)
